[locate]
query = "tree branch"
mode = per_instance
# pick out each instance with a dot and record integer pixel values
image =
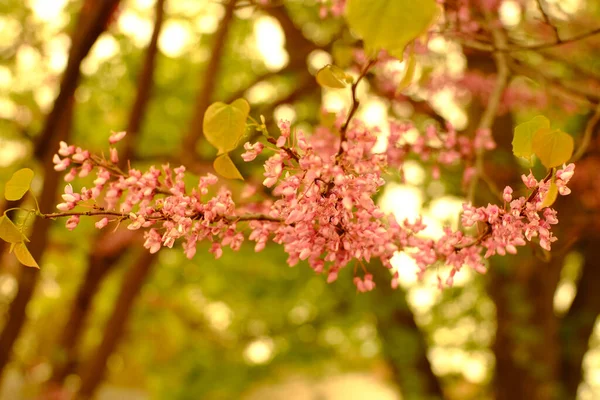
(489, 114)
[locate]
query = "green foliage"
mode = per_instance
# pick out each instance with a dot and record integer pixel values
(334, 77)
(390, 24)
(226, 168)
(224, 127)
(23, 255)
(9, 231)
(18, 184)
(551, 195)
(552, 147)
(225, 124)
(523, 138)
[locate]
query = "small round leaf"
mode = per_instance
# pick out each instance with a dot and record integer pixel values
(333, 77)
(390, 24)
(553, 147)
(523, 138)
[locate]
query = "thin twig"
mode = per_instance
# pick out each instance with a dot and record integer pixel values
(587, 135)
(355, 103)
(122, 215)
(548, 22)
(492, 48)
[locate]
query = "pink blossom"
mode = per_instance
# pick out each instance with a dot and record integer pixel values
(116, 137)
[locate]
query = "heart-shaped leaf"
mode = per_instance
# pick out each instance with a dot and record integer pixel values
(9, 231)
(553, 147)
(18, 184)
(334, 77)
(226, 168)
(24, 256)
(225, 124)
(523, 138)
(390, 24)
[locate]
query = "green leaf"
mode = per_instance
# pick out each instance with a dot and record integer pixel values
(18, 184)
(24, 256)
(225, 124)
(334, 77)
(550, 197)
(523, 138)
(9, 231)
(343, 54)
(409, 74)
(226, 168)
(553, 147)
(390, 24)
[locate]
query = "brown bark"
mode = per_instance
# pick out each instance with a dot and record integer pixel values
(95, 369)
(101, 259)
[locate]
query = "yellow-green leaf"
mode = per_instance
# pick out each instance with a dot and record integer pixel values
(553, 147)
(18, 184)
(9, 231)
(226, 168)
(409, 73)
(24, 256)
(523, 138)
(343, 54)
(334, 77)
(550, 197)
(225, 124)
(390, 24)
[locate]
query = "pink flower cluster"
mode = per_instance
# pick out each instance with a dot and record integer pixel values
(503, 228)
(439, 148)
(322, 207)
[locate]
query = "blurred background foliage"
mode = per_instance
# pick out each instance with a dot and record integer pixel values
(246, 325)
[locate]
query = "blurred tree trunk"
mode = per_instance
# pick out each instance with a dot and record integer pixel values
(403, 344)
(94, 370)
(93, 19)
(101, 260)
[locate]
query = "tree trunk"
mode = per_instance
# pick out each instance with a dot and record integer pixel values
(95, 369)
(101, 261)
